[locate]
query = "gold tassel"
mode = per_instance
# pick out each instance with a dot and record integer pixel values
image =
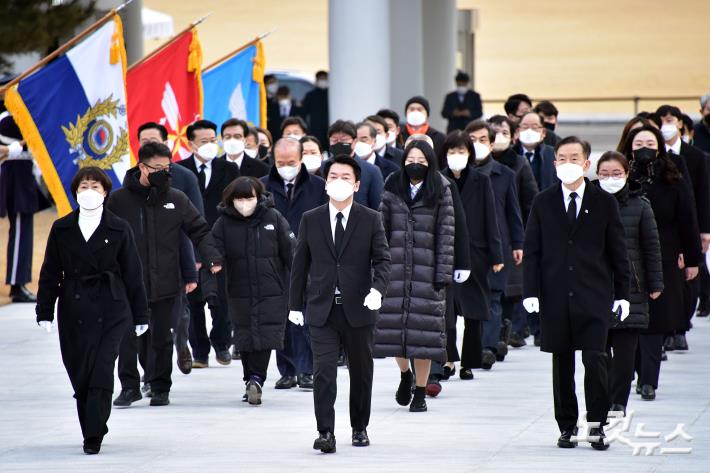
(194, 58)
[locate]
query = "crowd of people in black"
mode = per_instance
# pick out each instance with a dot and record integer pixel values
(334, 243)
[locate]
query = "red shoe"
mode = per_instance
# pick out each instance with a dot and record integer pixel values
(433, 387)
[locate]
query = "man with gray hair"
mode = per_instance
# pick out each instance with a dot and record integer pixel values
(701, 135)
(294, 191)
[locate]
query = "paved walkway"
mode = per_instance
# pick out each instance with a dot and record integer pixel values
(500, 422)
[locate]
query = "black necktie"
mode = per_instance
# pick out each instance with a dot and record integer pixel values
(339, 232)
(572, 209)
(289, 190)
(201, 177)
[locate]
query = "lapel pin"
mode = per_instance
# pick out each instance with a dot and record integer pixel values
(586, 211)
(106, 241)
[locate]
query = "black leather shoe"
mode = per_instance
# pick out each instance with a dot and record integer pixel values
(305, 381)
(224, 357)
(703, 312)
(638, 388)
(516, 340)
(618, 408)
(536, 340)
(648, 393)
(506, 328)
(501, 351)
(597, 438)
(403, 396)
(160, 399)
(92, 446)
(565, 440)
(488, 359)
(681, 344)
(286, 382)
(360, 438)
(236, 355)
(465, 374)
(669, 343)
(20, 293)
(448, 372)
(145, 389)
(127, 397)
(325, 443)
(184, 360)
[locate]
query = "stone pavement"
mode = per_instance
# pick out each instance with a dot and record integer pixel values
(500, 422)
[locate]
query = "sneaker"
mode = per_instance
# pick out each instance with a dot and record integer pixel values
(488, 359)
(418, 401)
(433, 387)
(501, 350)
(160, 399)
(516, 340)
(254, 392)
(127, 397)
(403, 396)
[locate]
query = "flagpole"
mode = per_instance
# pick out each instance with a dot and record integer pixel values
(170, 41)
(66, 46)
(238, 50)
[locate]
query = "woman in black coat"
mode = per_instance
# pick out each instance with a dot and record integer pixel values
(644, 251)
(257, 245)
(418, 215)
(471, 296)
(90, 266)
(672, 204)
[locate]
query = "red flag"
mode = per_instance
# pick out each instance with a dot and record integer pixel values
(167, 88)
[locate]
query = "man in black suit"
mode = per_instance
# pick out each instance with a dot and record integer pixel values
(463, 105)
(234, 134)
(576, 273)
(364, 147)
(343, 250)
(382, 148)
(549, 113)
(213, 175)
(280, 107)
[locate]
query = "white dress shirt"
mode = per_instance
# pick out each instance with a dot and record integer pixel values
(208, 169)
(580, 195)
(334, 219)
(675, 147)
(237, 161)
(372, 158)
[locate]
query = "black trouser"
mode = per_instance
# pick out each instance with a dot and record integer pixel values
(220, 337)
(19, 249)
(181, 322)
(595, 388)
(471, 349)
(452, 353)
(326, 342)
(621, 356)
(704, 277)
(649, 359)
(94, 409)
(255, 363)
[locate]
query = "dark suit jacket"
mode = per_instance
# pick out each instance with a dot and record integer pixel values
(698, 176)
(394, 154)
(386, 166)
(547, 174)
(471, 102)
(222, 174)
(363, 263)
(274, 118)
(576, 271)
(251, 167)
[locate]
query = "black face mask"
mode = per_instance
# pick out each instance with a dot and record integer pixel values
(549, 126)
(706, 119)
(644, 156)
(263, 151)
(416, 171)
(341, 148)
(159, 179)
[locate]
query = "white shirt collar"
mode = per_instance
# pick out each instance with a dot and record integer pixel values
(334, 212)
(237, 161)
(675, 147)
(198, 163)
(580, 193)
(372, 158)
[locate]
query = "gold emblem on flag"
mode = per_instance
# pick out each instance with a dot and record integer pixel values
(92, 135)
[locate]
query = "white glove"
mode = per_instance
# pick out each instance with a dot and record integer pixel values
(531, 304)
(45, 324)
(461, 275)
(373, 300)
(14, 150)
(296, 317)
(624, 305)
(141, 329)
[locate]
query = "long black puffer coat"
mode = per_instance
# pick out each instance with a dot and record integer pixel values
(411, 323)
(258, 251)
(644, 252)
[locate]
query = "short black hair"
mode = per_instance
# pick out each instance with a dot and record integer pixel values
(91, 173)
(235, 122)
(153, 150)
(688, 122)
(321, 74)
(283, 90)
(500, 119)
(294, 121)
(586, 147)
(371, 129)
(546, 108)
(343, 159)
(269, 78)
(377, 119)
(481, 125)
(513, 102)
(153, 126)
(342, 126)
(461, 76)
(200, 125)
(456, 139)
(242, 187)
(664, 110)
(389, 113)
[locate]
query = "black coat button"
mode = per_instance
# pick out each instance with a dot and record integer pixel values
(571, 294)
(77, 296)
(99, 320)
(571, 268)
(569, 242)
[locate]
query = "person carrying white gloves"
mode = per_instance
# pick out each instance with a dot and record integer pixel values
(621, 306)
(373, 301)
(47, 325)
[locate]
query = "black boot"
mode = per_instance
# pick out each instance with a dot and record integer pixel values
(404, 391)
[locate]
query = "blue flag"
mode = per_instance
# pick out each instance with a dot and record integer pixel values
(234, 88)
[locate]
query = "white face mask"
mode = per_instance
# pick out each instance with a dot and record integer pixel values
(233, 147)
(90, 199)
(363, 150)
(293, 136)
(391, 137)
(208, 151)
(245, 206)
(288, 173)
(312, 162)
(482, 151)
(322, 84)
(339, 190)
(569, 173)
(380, 141)
(416, 118)
(501, 142)
(272, 88)
(686, 139)
(612, 185)
(284, 102)
(530, 137)
(251, 152)
(457, 162)
(669, 131)
(462, 89)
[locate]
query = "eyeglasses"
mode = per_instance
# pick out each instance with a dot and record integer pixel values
(159, 168)
(615, 175)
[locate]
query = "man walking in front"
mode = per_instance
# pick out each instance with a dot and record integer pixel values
(340, 273)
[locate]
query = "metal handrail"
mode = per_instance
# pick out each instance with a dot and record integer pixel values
(636, 99)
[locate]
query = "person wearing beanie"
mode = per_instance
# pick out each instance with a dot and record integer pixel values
(417, 115)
